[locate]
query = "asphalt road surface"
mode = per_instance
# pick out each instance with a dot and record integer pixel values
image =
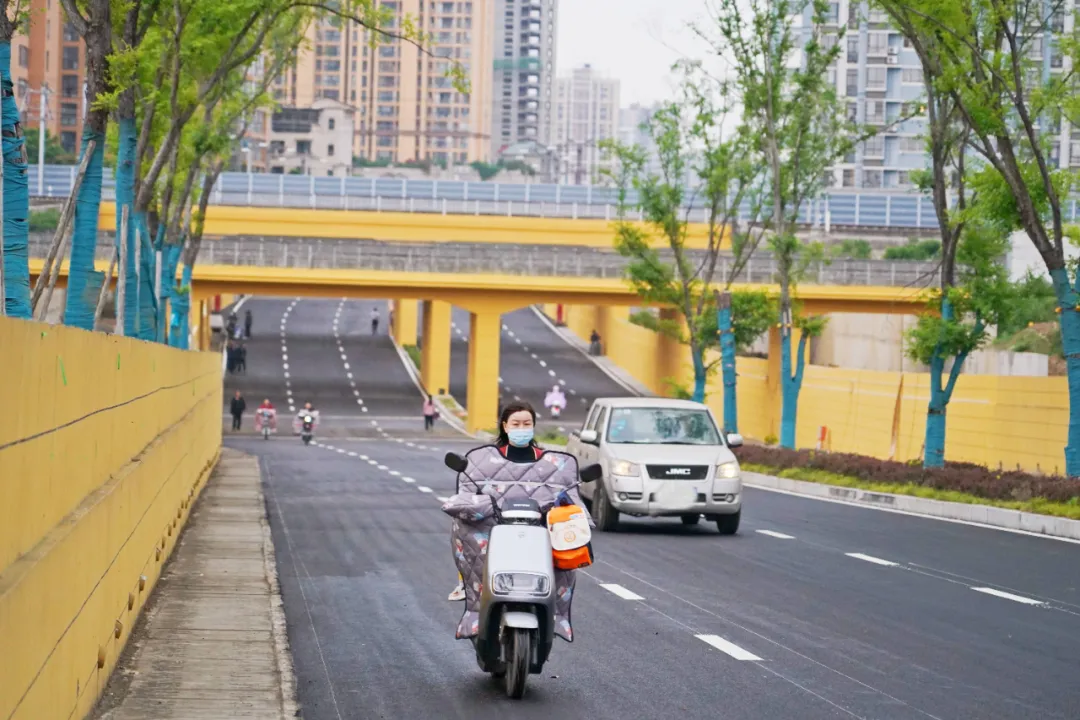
(815, 610)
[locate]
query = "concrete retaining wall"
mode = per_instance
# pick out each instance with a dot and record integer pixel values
(104, 444)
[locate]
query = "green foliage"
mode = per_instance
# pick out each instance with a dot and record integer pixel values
(1032, 301)
(55, 154)
(980, 298)
(44, 220)
(676, 390)
(915, 249)
(414, 354)
(854, 249)
(485, 170)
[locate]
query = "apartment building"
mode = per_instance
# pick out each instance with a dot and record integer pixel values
(586, 113)
(524, 73)
(406, 106)
(632, 120)
(881, 77)
(314, 140)
(51, 59)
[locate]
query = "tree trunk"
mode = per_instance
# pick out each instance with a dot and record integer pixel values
(934, 442)
(697, 354)
(84, 282)
(789, 408)
(15, 200)
(727, 362)
(1070, 341)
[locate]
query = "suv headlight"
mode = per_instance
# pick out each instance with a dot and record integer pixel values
(728, 470)
(624, 467)
(526, 583)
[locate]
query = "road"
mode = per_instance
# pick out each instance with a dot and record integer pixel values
(815, 610)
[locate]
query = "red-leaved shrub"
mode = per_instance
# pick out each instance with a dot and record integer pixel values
(963, 477)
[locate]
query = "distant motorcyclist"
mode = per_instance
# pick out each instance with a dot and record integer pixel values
(555, 401)
(266, 405)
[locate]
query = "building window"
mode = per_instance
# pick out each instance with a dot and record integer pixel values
(69, 86)
(70, 58)
(70, 34)
(24, 56)
(876, 78)
(852, 82)
(912, 76)
(67, 141)
(303, 147)
(68, 114)
(330, 150)
(330, 123)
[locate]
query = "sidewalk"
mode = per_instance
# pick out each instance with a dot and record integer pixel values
(212, 642)
(616, 373)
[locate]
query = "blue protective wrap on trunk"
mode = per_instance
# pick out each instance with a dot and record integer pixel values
(125, 197)
(148, 270)
(181, 307)
(16, 202)
(699, 376)
(727, 368)
(1070, 343)
(83, 281)
(790, 385)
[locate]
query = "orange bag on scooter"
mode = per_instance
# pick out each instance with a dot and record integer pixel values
(571, 537)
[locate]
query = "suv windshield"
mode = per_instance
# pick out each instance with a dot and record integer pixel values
(661, 426)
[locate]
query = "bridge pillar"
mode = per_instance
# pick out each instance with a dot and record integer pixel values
(435, 346)
(482, 397)
(404, 327)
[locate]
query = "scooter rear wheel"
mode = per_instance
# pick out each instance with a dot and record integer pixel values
(517, 664)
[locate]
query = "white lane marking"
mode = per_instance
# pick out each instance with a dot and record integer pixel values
(347, 366)
(352, 454)
(408, 479)
(363, 409)
(382, 467)
(395, 473)
(283, 355)
(872, 559)
(773, 533)
(372, 462)
(442, 499)
(543, 364)
(375, 423)
(533, 356)
(1008, 596)
(728, 648)
(620, 591)
(285, 365)
(572, 391)
(505, 328)
(349, 375)
(423, 488)
(517, 340)
(551, 373)
(562, 382)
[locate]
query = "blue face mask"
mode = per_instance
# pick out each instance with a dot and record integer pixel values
(521, 437)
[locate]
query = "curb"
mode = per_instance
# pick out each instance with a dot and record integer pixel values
(628, 387)
(1016, 521)
(445, 415)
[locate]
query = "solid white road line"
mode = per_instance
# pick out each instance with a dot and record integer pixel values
(871, 559)
(773, 533)
(1008, 596)
(728, 648)
(620, 591)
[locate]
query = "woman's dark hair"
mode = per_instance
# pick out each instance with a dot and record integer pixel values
(507, 411)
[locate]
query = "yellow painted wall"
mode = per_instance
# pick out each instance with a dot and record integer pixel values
(1006, 421)
(104, 443)
(224, 220)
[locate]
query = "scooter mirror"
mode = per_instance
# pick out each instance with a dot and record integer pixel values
(456, 462)
(592, 473)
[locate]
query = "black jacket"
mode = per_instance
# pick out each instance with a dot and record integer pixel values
(237, 406)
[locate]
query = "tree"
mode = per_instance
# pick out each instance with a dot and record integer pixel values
(14, 195)
(55, 154)
(992, 58)
(688, 135)
(782, 81)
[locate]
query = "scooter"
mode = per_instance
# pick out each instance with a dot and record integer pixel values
(556, 411)
(304, 425)
(517, 602)
(266, 420)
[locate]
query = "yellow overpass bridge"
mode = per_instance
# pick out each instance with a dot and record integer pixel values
(486, 296)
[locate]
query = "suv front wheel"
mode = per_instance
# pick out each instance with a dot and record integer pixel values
(606, 516)
(728, 524)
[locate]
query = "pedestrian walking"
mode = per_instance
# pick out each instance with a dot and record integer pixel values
(594, 344)
(247, 323)
(230, 356)
(236, 408)
(374, 321)
(241, 359)
(430, 413)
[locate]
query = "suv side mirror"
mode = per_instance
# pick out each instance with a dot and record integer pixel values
(734, 440)
(592, 473)
(589, 437)
(456, 462)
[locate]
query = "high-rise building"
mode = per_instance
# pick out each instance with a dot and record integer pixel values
(586, 113)
(524, 72)
(51, 59)
(407, 108)
(632, 132)
(881, 77)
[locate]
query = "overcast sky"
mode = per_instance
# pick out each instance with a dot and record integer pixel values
(635, 41)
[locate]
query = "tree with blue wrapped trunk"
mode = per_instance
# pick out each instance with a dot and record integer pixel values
(780, 74)
(994, 62)
(689, 138)
(93, 22)
(15, 198)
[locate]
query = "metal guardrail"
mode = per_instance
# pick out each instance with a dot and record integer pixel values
(483, 258)
(865, 209)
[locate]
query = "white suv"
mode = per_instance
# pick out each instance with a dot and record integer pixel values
(660, 458)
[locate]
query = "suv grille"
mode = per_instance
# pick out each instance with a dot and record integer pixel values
(678, 472)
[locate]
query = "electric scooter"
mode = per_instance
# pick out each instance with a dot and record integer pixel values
(517, 600)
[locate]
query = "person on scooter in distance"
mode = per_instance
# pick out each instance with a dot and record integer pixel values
(555, 401)
(517, 427)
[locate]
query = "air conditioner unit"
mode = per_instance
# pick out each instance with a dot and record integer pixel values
(894, 50)
(892, 60)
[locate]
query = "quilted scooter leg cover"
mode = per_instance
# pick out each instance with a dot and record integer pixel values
(491, 477)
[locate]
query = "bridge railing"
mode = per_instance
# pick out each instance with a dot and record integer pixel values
(483, 258)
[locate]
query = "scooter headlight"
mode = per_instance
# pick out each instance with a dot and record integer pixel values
(520, 583)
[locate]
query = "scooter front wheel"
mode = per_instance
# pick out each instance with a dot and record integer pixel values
(517, 664)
